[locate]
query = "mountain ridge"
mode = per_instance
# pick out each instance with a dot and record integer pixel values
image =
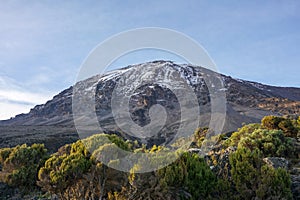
(247, 101)
(288, 93)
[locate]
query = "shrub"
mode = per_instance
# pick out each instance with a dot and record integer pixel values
(271, 122)
(20, 165)
(242, 132)
(269, 142)
(253, 179)
(4, 153)
(199, 136)
(275, 184)
(191, 173)
(288, 128)
(75, 173)
(244, 172)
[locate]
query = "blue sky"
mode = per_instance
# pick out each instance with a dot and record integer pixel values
(43, 43)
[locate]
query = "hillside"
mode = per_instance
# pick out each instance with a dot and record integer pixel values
(257, 161)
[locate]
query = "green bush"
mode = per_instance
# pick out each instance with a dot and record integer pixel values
(254, 179)
(269, 142)
(271, 122)
(95, 141)
(76, 173)
(288, 128)
(191, 175)
(244, 172)
(62, 170)
(20, 165)
(4, 153)
(242, 132)
(75, 170)
(275, 184)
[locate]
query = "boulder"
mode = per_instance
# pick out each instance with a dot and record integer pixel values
(276, 162)
(295, 186)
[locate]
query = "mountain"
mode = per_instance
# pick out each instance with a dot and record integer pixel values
(246, 102)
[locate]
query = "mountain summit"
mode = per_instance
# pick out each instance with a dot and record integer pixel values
(246, 101)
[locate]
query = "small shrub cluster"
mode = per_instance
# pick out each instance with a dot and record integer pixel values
(254, 179)
(20, 165)
(74, 172)
(288, 126)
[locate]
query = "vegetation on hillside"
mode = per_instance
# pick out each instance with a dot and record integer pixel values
(236, 168)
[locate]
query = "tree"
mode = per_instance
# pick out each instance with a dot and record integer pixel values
(105, 178)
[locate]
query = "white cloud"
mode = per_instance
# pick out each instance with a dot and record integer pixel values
(14, 99)
(23, 97)
(9, 110)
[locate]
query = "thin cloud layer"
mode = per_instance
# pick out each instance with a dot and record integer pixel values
(15, 100)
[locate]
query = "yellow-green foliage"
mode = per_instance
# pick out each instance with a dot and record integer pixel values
(242, 132)
(192, 173)
(20, 165)
(252, 178)
(75, 172)
(199, 136)
(107, 153)
(275, 183)
(4, 153)
(288, 126)
(95, 141)
(271, 122)
(61, 171)
(269, 142)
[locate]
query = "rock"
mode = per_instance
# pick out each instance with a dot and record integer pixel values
(218, 160)
(195, 150)
(295, 186)
(276, 162)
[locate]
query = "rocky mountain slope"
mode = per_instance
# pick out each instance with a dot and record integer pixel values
(247, 101)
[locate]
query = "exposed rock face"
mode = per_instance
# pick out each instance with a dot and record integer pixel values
(296, 186)
(247, 102)
(277, 162)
